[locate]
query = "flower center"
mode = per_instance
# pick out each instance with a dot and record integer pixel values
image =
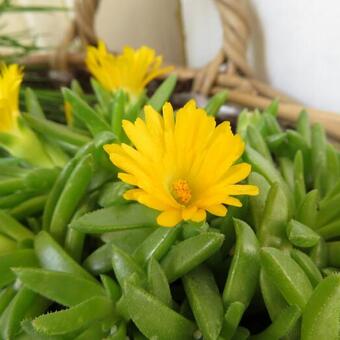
(181, 191)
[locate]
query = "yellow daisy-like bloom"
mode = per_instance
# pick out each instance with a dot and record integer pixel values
(183, 166)
(131, 71)
(10, 79)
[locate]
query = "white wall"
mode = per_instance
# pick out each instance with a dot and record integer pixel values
(202, 31)
(297, 45)
(302, 45)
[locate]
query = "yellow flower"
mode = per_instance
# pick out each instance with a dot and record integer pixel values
(10, 79)
(183, 166)
(15, 136)
(131, 71)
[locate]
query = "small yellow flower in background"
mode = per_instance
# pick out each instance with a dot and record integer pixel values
(131, 71)
(10, 80)
(15, 136)
(68, 113)
(183, 166)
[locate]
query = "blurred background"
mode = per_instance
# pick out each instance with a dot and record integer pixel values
(294, 44)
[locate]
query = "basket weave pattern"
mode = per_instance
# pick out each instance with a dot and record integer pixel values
(228, 70)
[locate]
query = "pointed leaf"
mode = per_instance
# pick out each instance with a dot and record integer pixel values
(130, 216)
(64, 288)
(74, 318)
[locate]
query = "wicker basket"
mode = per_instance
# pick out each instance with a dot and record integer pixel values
(228, 70)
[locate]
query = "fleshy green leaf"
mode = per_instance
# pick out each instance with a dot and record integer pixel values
(163, 93)
(155, 319)
(130, 216)
(64, 288)
(287, 275)
(74, 318)
(320, 319)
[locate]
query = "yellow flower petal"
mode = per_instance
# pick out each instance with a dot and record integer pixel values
(199, 215)
(237, 173)
(168, 116)
(250, 190)
(153, 202)
(132, 194)
(218, 210)
(127, 178)
(10, 80)
(154, 122)
(110, 148)
(188, 212)
(169, 218)
(233, 201)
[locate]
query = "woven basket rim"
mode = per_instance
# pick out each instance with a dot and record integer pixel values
(236, 75)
